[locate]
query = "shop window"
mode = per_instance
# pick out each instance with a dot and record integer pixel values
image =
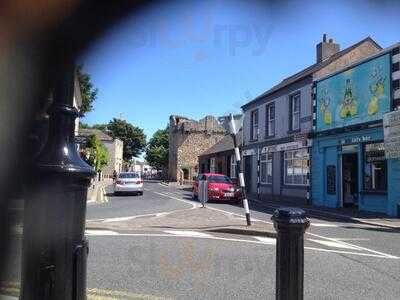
(233, 167)
(375, 167)
(296, 167)
(254, 125)
(266, 168)
(212, 165)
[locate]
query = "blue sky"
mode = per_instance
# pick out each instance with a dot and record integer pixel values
(197, 58)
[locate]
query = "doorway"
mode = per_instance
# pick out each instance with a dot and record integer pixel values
(349, 179)
(247, 172)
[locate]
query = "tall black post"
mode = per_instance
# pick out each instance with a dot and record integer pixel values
(290, 224)
(54, 246)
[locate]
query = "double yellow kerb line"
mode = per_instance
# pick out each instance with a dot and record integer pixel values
(12, 289)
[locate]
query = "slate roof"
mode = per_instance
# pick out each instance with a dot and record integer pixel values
(225, 144)
(97, 132)
(309, 71)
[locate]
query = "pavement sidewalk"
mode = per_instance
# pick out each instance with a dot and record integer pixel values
(194, 219)
(96, 192)
(341, 214)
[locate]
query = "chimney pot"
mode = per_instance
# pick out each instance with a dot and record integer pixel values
(324, 37)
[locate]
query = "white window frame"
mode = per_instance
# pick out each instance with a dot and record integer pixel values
(266, 158)
(233, 166)
(270, 119)
(293, 98)
(212, 165)
(254, 125)
(305, 169)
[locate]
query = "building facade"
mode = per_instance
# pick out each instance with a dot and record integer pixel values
(220, 158)
(277, 126)
(187, 140)
(114, 149)
(350, 166)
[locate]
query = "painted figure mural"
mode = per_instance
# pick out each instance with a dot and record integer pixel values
(349, 104)
(325, 101)
(377, 90)
(357, 95)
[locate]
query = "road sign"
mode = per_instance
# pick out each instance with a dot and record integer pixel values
(391, 132)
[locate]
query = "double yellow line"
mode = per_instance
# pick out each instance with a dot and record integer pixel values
(12, 288)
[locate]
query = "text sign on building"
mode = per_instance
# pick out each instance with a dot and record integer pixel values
(358, 95)
(391, 132)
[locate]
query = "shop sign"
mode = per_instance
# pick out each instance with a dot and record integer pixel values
(391, 132)
(355, 140)
(248, 152)
(286, 146)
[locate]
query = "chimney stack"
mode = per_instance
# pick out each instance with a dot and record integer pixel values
(326, 49)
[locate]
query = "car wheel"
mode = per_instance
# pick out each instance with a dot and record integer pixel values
(140, 193)
(116, 193)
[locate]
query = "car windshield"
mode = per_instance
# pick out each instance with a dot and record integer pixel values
(219, 179)
(129, 175)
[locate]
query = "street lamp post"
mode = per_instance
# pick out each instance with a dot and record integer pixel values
(54, 246)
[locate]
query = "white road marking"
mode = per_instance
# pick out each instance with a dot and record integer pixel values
(352, 245)
(188, 233)
(323, 225)
(194, 205)
(352, 239)
(118, 219)
(333, 244)
(351, 253)
(266, 240)
(100, 232)
(107, 233)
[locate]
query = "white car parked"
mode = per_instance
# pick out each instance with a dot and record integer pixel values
(128, 182)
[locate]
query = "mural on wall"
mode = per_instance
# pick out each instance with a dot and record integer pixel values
(358, 95)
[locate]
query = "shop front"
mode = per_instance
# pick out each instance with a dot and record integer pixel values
(350, 170)
(350, 165)
(284, 170)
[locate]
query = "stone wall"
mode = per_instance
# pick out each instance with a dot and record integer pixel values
(187, 140)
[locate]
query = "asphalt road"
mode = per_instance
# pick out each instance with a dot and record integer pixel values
(343, 260)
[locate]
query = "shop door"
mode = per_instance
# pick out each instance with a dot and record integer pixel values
(349, 179)
(247, 172)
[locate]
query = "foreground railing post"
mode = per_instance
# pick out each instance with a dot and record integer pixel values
(290, 224)
(54, 246)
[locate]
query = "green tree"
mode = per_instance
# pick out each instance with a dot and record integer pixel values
(88, 91)
(133, 137)
(98, 155)
(157, 150)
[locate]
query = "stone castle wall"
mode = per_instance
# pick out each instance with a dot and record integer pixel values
(187, 140)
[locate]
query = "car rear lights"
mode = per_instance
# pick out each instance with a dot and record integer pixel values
(119, 182)
(139, 182)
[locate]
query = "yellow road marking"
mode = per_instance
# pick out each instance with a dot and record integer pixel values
(12, 288)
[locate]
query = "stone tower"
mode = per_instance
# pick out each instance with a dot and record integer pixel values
(187, 140)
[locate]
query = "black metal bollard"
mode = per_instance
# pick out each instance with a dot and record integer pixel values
(290, 224)
(54, 246)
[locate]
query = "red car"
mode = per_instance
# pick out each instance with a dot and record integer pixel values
(220, 187)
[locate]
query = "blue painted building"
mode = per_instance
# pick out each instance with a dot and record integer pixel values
(348, 162)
